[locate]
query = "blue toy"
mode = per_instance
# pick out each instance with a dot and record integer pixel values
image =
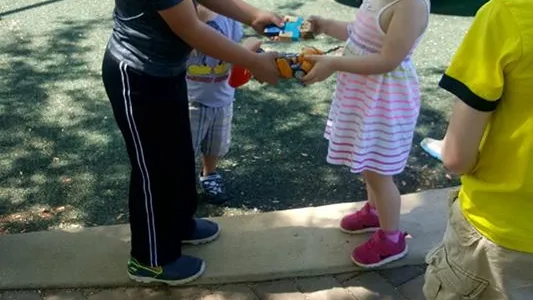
(294, 29)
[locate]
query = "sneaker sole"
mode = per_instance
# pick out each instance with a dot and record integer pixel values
(366, 230)
(383, 262)
(202, 241)
(169, 282)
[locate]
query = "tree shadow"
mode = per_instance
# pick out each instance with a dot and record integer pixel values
(439, 7)
(278, 153)
(290, 7)
(351, 3)
(63, 162)
(56, 134)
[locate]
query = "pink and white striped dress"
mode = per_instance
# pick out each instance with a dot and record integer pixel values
(373, 117)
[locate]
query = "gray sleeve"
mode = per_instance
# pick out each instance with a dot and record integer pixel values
(165, 4)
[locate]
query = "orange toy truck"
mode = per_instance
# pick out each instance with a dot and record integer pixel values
(295, 65)
(290, 65)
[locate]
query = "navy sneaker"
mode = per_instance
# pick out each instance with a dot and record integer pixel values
(213, 187)
(184, 270)
(204, 232)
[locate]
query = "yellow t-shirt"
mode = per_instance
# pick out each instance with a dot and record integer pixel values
(493, 71)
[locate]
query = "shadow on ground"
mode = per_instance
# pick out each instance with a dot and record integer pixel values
(63, 162)
(58, 140)
(440, 7)
(277, 160)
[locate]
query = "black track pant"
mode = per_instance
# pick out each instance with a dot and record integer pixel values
(153, 116)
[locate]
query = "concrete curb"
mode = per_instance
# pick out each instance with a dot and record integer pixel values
(275, 245)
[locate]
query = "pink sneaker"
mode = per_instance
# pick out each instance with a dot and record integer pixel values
(360, 221)
(379, 250)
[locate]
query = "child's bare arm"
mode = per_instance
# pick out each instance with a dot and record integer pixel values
(479, 77)
(336, 29)
(404, 29)
(243, 12)
(333, 28)
(252, 43)
(204, 13)
(184, 22)
(461, 144)
(234, 9)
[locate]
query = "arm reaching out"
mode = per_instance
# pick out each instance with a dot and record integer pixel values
(184, 22)
(402, 32)
(243, 12)
(252, 44)
(333, 28)
(404, 29)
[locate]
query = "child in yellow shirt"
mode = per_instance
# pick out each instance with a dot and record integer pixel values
(487, 251)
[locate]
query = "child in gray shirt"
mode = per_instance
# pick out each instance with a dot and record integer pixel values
(211, 104)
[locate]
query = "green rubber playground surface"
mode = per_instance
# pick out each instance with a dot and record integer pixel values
(62, 160)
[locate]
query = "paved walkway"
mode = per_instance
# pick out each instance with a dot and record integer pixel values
(307, 243)
(92, 260)
(393, 284)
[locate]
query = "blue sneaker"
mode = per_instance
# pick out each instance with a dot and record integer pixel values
(213, 187)
(183, 270)
(205, 232)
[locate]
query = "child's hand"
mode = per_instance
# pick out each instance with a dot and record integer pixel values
(253, 44)
(265, 18)
(264, 68)
(322, 69)
(317, 24)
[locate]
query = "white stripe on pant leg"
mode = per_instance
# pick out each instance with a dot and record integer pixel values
(149, 199)
(142, 165)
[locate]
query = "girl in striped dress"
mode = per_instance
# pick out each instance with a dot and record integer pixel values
(374, 113)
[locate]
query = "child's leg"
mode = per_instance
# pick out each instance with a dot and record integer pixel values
(216, 145)
(387, 244)
(370, 195)
(217, 140)
(151, 113)
(386, 198)
(363, 220)
(199, 124)
(209, 163)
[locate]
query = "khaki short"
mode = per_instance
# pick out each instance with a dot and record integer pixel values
(466, 265)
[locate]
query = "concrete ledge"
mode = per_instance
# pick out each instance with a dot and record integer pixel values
(275, 245)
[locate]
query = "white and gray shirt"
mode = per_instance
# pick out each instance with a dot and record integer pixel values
(207, 77)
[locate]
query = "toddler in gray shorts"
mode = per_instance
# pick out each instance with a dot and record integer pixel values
(211, 104)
